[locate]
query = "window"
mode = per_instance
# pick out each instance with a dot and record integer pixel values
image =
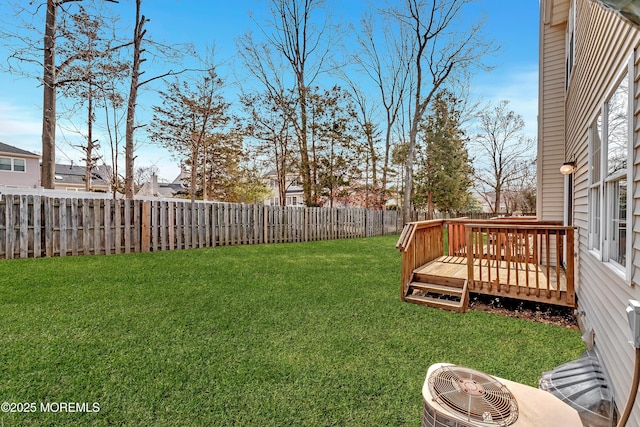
(608, 180)
(616, 180)
(18, 165)
(5, 164)
(9, 164)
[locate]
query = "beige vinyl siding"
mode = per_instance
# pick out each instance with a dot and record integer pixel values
(555, 11)
(604, 44)
(550, 201)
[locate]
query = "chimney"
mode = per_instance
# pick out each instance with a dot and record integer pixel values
(154, 184)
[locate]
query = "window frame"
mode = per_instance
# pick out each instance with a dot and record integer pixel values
(595, 184)
(12, 164)
(24, 165)
(603, 189)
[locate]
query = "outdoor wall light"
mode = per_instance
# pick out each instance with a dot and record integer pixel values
(568, 168)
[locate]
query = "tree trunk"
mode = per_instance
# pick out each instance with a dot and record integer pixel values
(385, 166)
(47, 174)
(305, 166)
(88, 166)
(408, 170)
(194, 175)
(138, 34)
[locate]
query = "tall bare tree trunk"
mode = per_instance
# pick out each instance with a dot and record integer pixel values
(49, 100)
(138, 35)
(89, 151)
(305, 167)
(193, 177)
(408, 167)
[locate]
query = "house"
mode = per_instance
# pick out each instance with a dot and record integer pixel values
(154, 188)
(73, 177)
(294, 192)
(18, 168)
(589, 120)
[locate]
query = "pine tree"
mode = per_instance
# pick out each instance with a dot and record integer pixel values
(443, 180)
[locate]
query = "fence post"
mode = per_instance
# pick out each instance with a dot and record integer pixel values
(145, 237)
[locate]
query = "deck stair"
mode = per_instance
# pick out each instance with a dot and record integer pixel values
(439, 293)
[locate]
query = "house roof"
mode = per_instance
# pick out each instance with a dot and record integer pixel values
(74, 175)
(161, 189)
(10, 149)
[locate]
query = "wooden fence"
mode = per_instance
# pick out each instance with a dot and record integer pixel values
(34, 226)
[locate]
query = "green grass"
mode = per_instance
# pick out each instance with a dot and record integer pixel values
(302, 334)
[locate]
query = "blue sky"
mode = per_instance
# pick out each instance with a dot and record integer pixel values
(512, 24)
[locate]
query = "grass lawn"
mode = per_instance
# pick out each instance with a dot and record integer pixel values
(303, 334)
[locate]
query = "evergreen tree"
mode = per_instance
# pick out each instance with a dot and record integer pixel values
(443, 180)
(189, 122)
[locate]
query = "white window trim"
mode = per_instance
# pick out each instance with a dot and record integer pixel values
(12, 161)
(606, 226)
(13, 165)
(591, 237)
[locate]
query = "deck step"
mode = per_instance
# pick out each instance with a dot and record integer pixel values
(452, 282)
(438, 295)
(437, 289)
(435, 302)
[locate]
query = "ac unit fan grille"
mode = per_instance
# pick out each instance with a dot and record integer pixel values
(475, 396)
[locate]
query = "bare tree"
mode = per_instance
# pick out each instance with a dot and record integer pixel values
(144, 174)
(138, 35)
(52, 68)
(267, 124)
(520, 193)
(92, 33)
(386, 60)
(168, 53)
(438, 52)
(304, 47)
(364, 114)
(501, 150)
(113, 103)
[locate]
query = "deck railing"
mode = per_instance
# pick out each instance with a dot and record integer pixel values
(511, 256)
(420, 243)
(535, 258)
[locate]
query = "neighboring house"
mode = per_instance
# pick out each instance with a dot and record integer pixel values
(294, 192)
(487, 202)
(18, 168)
(72, 178)
(175, 189)
(589, 117)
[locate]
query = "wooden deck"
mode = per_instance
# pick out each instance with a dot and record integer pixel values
(522, 280)
(520, 259)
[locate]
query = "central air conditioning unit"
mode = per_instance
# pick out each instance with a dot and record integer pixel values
(455, 396)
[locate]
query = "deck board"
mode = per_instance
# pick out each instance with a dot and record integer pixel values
(456, 267)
